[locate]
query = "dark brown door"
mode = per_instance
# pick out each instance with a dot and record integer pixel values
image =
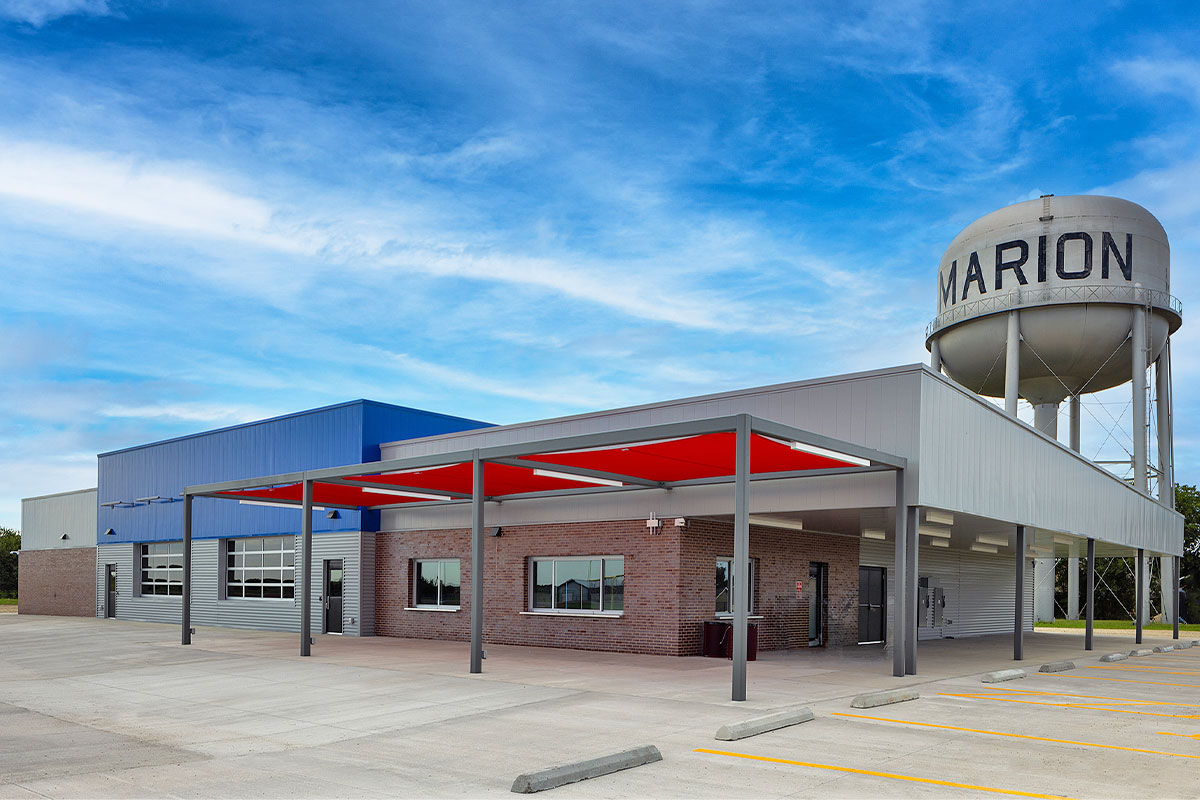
(333, 595)
(872, 605)
(110, 606)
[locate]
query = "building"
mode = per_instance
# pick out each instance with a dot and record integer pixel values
(875, 509)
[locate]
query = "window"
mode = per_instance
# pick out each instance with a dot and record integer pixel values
(437, 583)
(262, 567)
(579, 585)
(724, 591)
(162, 569)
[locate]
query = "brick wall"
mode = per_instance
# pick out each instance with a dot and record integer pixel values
(57, 582)
(781, 558)
(649, 624)
(669, 587)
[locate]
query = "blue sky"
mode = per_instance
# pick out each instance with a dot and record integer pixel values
(212, 212)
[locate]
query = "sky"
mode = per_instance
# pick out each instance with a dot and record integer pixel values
(215, 212)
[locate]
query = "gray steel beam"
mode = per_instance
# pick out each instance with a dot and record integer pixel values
(1140, 597)
(186, 615)
(910, 578)
(306, 529)
(779, 476)
(281, 502)
(1175, 586)
(768, 428)
(1012, 364)
(741, 555)
(1019, 606)
(477, 488)
(1091, 595)
(245, 483)
(581, 471)
(901, 592)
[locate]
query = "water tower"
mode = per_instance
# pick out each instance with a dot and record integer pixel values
(1058, 297)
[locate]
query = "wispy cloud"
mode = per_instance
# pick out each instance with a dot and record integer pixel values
(38, 12)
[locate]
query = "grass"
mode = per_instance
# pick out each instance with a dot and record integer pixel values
(1114, 624)
(8, 601)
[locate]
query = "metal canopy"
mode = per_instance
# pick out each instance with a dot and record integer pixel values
(734, 449)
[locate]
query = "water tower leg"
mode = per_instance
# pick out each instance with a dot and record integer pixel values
(1012, 363)
(1045, 419)
(1073, 587)
(1075, 422)
(1166, 475)
(1139, 399)
(935, 356)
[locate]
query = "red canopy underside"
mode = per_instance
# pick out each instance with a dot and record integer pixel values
(709, 455)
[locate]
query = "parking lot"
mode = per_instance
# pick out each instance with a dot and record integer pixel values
(99, 708)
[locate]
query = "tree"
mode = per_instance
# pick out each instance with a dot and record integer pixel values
(10, 541)
(1187, 502)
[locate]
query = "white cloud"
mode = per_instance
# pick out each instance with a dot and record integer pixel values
(38, 12)
(211, 414)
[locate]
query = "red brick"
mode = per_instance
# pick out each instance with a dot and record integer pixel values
(57, 582)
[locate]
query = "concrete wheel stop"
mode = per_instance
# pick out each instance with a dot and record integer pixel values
(1166, 648)
(1114, 657)
(1002, 675)
(1141, 652)
(885, 698)
(763, 724)
(1057, 666)
(530, 782)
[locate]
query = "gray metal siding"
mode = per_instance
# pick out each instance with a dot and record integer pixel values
(207, 606)
(977, 460)
(45, 519)
(980, 588)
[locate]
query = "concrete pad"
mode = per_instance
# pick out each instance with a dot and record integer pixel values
(1057, 666)
(886, 698)
(1114, 657)
(1140, 652)
(756, 725)
(1164, 649)
(1003, 675)
(530, 782)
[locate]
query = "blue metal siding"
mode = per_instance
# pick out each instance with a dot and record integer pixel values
(323, 437)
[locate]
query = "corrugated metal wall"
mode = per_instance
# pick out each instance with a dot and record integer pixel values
(980, 588)
(45, 519)
(208, 609)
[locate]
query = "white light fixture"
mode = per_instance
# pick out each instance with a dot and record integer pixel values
(939, 542)
(983, 548)
(149, 499)
(999, 541)
(1039, 552)
(873, 533)
(398, 493)
(812, 449)
(275, 504)
(772, 522)
(930, 530)
(1061, 539)
(111, 503)
(940, 517)
(567, 476)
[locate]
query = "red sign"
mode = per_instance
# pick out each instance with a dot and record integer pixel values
(799, 589)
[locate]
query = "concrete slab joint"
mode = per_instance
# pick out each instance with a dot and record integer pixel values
(1003, 675)
(885, 698)
(530, 782)
(1114, 657)
(769, 722)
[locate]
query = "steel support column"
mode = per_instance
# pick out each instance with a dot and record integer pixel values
(1075, 410)
(901, 595)
(1141, 596)
(1012, 364)
(935, 356)
(741, 554)
(476, 564)
(1019, 607)
(186, 616)
(306, 528)
(1091, 595)
(911, 604)
(1175, 586)
(1072, 587)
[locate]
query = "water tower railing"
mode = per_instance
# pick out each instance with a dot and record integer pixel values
(1056, 295)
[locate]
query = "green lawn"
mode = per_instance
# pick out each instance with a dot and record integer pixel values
(1114, 624)
(8, 601)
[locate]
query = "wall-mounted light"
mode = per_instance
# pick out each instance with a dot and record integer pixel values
(496, 531)
(939, 517)
(333, 514)
(874, 533)
(984, 548)
(998, 541)
(110, 532)
(64, 537)
(936, 532)
(939, 542)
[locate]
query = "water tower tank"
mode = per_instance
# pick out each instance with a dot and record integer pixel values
(1076, 268)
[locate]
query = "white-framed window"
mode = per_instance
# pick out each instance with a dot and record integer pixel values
(580, 585)
(261, 567)
(162, 569)
(437, 583)
(724, 586)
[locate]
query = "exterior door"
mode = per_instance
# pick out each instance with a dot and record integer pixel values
(333, 595)
(872, 605)
(110, 604)
(816, 604)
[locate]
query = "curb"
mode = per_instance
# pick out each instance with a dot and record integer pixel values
(757, 725)
(530, 782)
(886, 698)
(1057, 666)
(1003, 675)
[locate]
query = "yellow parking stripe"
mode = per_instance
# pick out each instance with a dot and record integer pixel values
(875, 774)
(1195, 736)
(1016, 735)
(1162, 670)
(1102, 704)
(1120, 680)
